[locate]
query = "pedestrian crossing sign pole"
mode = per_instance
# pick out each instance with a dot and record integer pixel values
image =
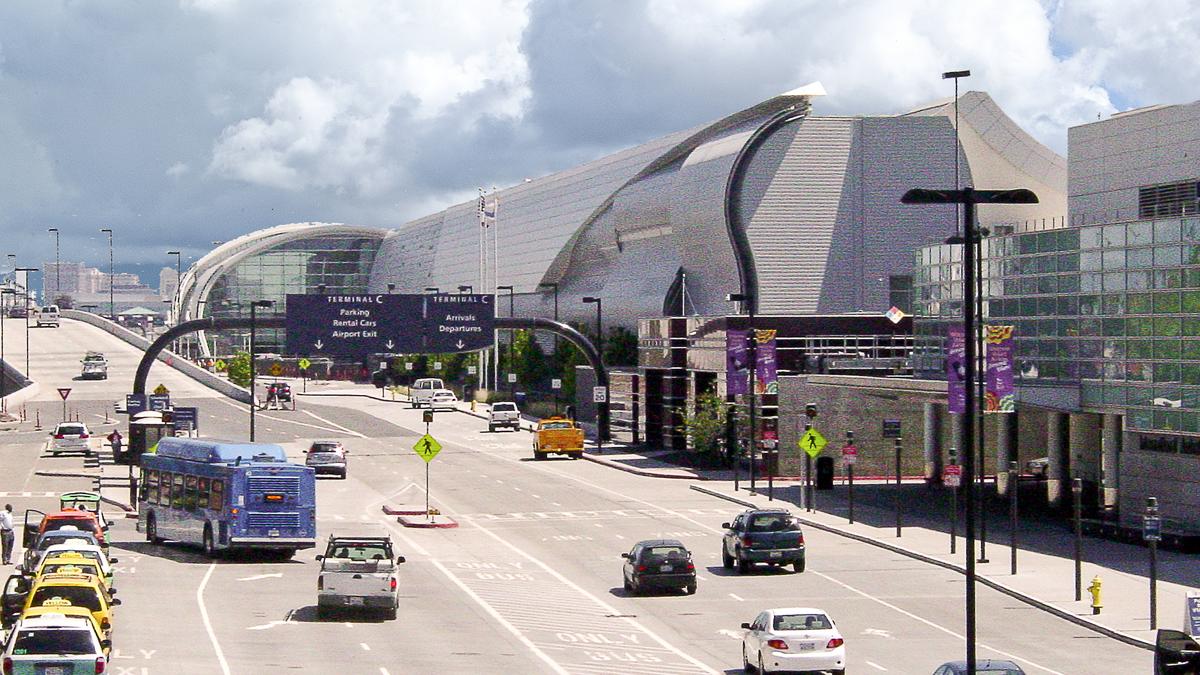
(428, 448)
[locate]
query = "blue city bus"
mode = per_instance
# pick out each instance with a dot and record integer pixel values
(226, 495)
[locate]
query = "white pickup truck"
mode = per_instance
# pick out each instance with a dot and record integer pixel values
(504, 414)
(358, 573)
(95, 366)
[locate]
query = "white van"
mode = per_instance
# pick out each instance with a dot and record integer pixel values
(422, 390)
(48, 316)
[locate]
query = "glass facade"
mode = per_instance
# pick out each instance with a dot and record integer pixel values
(341, 265)
(1114, 308)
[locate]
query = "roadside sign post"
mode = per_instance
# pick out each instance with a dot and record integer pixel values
(599, 395)
(899, 446)
(952, 478)
(304, 363)
(556, 385)
(812, 443)
(427, 448)
(64, 392)
(1013, 485)
(1077, 491)
(1152, 533)
(849, 457)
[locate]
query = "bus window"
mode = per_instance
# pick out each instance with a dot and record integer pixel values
(164, 489)
(149, 486)
(177, 491)
(218, 495)
(190, 498)
(202, 487)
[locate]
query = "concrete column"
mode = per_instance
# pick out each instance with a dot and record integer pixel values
(933, 442)
(1058, 472)
(1006, 449)
(1111, 460)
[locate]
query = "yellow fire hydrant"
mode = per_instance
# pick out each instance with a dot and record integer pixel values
(472, 405)
(1094, 589)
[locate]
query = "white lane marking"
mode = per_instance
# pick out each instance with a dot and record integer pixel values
(366, 647)
(334, 425)
(730, 633)
(598, 524)
(603, 605)
(383, 671)
(502, 621)
(517, 489)
(879, 632)
(737, 597)
(875, 665)
(620, 537)
(256, 577)
(931, 624)
(536, 496)
(212, 637)
(271, 624)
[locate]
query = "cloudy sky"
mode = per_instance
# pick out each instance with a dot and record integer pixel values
(181, 122)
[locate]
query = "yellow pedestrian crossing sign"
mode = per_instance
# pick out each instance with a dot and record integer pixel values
(427, 447)
(304, 364)
(812, 442)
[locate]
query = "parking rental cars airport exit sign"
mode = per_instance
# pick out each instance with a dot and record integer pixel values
(353, 327)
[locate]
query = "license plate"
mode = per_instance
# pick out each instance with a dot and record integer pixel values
(273, 533)
(807, 647)
(776, 554)
(667, 568)
(55, 670)
(354, 601)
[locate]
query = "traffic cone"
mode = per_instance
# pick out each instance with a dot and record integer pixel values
(37, 425)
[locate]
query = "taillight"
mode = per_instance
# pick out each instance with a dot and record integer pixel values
(320, 583)
(690, 566)
(58, 437)
(777, 644)
(641, 568)
(83, 435)
(747, 542)
(392, 584)
(8, 666)
(100, 663)
(801, 541)
(834, 643)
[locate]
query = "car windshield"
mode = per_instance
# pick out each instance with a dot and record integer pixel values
(70, 429)
(323, 447)
(78, 596)
(59, 536)
(53, 641)
(801, 622)
(84, 555)
(80, 567)
(556, 425)
(774, 522)
(360, 553)
(664, 554)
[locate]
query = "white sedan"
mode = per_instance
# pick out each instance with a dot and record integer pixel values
(443, 399)
(793, 638)
(70, 436)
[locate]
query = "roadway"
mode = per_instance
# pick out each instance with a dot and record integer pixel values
(531, 580)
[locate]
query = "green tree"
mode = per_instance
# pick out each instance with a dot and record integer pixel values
(620, 347)
(531, 365)
(238, 369)
(705, 427)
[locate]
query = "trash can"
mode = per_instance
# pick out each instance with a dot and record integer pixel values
(824, 473)
(520, 398)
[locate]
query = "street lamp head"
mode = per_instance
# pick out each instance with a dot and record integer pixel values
(549, 284)
(321, 289)
(263, 303)
(737, 297)
(391, 288)
(465, 288)
(505, 288)
(53, 229)
(107, 230)
(590, 299)
(174, 253)
(432, 289)
(955, 74)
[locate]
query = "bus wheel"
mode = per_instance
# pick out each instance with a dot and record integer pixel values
(152, 530)
(209, 549)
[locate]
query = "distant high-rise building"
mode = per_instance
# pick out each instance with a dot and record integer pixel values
(168, 281)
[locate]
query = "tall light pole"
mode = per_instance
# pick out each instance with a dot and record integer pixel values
(969, 198)
(747, 301)
(253, 317)
(112, 305)
(512, 337)
(57, 271)
(554, 285)
(601, 409)
(26, 270)
(4, 370)
(175, 300)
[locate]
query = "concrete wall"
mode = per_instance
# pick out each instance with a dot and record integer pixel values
(177, 362)
(19, 388)
(1173, 478)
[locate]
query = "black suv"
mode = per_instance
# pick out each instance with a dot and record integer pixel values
(659, 563)
(771, 536)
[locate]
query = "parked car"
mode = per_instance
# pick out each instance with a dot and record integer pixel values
(659, 564)
(771, 536)
(48, 316)
(358, 573)
(280, 391)
(38, 523)
(422, 390)
(504, 414)
(68, 436)
(443, 399)
(72, 548)
(95, 366)
(793, 639)
(54, 643)
(994, 666)
(68, 533)
(326, 457)
(17, 312)
(557, 435)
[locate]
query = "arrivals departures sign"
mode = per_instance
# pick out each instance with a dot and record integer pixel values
(353, 327)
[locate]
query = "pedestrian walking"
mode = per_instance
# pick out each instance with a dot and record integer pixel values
(7, 537)
(114, 439)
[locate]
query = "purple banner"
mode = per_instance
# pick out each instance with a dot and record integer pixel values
(766, 379)
(956, 364)
(737, 362)
(999, 394)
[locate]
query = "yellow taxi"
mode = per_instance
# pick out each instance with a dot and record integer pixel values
(64, 607)
(71, 562)
(80, 590)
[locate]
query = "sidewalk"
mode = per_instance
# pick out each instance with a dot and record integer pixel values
(1045, 563)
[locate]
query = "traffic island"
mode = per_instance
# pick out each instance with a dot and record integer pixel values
(427, 521)
(387, 510)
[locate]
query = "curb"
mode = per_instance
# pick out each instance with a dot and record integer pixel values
(637, 472)
(387, 510)
(407, 521)
(68, 474)
(996, 586)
